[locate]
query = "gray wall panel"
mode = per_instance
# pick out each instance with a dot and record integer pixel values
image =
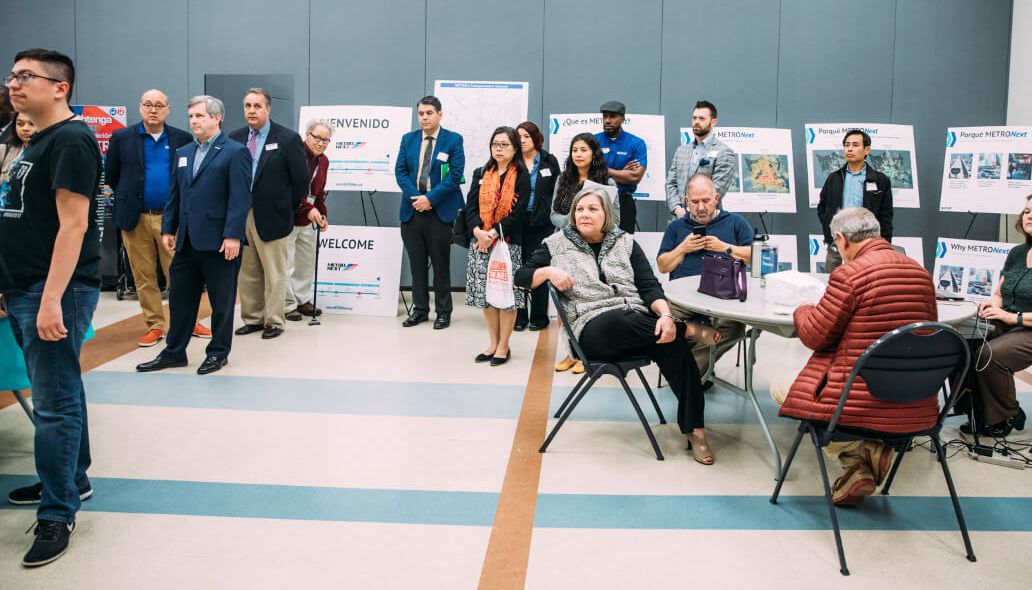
(149, 50)
(42, 23)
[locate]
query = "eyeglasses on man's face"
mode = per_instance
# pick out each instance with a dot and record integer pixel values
(317, 139)
(25, 77)
(152, 106)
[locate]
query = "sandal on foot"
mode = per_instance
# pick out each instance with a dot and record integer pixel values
(700, 449)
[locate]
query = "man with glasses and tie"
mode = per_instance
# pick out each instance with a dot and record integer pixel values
(279, 183)
(138, 168)
(429, 172)
(301, 244)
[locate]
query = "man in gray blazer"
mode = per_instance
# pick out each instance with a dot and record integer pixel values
(705, 154)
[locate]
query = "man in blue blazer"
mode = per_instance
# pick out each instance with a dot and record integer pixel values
(204, 223)
(429, 171)
(139, 167)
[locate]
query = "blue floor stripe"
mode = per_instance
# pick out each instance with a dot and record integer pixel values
(892, 513)
(384, 398)
(140, 496)
(579, 511)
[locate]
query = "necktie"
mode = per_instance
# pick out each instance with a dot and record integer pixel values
(424, 169)
(251, 142)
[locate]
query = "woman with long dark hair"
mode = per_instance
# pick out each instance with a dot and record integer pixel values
(495, 206)
(15, 142)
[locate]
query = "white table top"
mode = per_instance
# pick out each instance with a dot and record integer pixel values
(757, 311)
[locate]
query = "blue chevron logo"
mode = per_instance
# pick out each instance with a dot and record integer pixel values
(815, 246)
(940, 250)
(685, 138)
(555, 125)
(810, 135)
(951, 139)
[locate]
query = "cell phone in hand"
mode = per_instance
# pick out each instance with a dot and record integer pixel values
(699, 230)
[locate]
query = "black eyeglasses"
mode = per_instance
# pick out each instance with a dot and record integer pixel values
(319, 139)
(25, 77)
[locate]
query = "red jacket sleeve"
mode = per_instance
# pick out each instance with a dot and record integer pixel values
(821, 326)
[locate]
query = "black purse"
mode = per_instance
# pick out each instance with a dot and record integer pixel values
(460, 234)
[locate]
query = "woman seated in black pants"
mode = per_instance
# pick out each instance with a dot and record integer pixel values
(616, 307)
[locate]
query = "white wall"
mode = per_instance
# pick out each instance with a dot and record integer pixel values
(1019, 89)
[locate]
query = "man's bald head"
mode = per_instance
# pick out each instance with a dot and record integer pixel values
(154, 110)
(701, 198)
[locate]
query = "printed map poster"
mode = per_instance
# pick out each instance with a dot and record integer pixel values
(364, 146)
(788, 252)
(818, 250)
(892, 154)
(475, 109)
(968, 269)
(987, 169)
(650, 128)
(103, 121)
(763, 171)
(359, 270)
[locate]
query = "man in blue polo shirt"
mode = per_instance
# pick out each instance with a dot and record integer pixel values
(626, 158)
(705, 230)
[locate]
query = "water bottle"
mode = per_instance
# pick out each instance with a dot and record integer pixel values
(757, 253)
(768, 259)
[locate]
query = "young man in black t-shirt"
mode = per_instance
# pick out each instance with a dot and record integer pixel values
(50, 281)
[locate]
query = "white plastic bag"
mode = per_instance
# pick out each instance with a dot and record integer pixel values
(499, 277)
(788, 289)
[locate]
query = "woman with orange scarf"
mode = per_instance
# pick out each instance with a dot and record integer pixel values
(496, 203)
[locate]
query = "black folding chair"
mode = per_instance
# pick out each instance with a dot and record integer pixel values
(593, 370)
(24, 403)
(910, 363)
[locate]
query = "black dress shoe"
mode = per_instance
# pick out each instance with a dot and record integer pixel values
(211, 364)
(271, 332)
(443, 321)
(535, 326)
(519, 326)
(482, 358)
(500, 360)
(249, 329)
(160, 362)
(414, 319)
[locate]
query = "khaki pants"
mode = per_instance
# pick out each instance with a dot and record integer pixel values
(729, 329)
(300, 266)
(145, 250)
(263, 278)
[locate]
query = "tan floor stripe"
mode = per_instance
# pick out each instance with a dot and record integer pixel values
(508, 550)
(112, 342)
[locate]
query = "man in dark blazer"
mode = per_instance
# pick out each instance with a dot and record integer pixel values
(279, 172)
(856, 184)
(204, 224)
(139, 168)
(429, 171)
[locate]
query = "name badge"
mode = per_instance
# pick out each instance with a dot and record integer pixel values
(271, 146)
(442, 156)
(605, 150)
(182, 161)
(713, 154)
(872, 186)
(546, 172)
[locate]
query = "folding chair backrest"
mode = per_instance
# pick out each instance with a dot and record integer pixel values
(575, 346)
(911, 363)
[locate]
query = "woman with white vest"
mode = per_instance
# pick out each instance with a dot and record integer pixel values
(616, 306)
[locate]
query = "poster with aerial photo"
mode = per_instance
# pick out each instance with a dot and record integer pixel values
(892, 153)
(987, 169)
(763, 178)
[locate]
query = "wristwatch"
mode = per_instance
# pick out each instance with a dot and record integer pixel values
(1021, 320)
(728, 251)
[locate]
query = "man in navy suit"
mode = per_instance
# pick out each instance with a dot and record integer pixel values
(429, 171)
(204, 224)
(139, 168)
(280, 178)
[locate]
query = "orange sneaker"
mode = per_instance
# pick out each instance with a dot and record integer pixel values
(201, 331)
(151, 338)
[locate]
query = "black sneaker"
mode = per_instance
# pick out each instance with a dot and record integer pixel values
(34, 493)
(51, 542)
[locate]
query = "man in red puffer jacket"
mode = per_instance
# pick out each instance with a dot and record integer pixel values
(876, 290)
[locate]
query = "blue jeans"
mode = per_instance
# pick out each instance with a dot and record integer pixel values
(59, 400)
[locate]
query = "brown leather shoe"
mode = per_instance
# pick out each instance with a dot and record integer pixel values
(271, 332)
(853, 487)
(879, 457)
(309, 310)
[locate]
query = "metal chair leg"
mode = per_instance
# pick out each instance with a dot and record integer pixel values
(895, 467)
(24, 403)
(566, 415)
(655, 404)
(569, 396)
(953, 497)
(831, 505)
(788, 463)
(641, 417)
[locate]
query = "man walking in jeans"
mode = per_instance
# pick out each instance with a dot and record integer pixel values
(50, 280)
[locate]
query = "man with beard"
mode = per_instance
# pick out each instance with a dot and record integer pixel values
(705, 154)
(626, 158)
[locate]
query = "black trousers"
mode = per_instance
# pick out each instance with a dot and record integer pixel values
(628, 212)
(623, 333)
(537, 302)
(427, 239)
(189, 272)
